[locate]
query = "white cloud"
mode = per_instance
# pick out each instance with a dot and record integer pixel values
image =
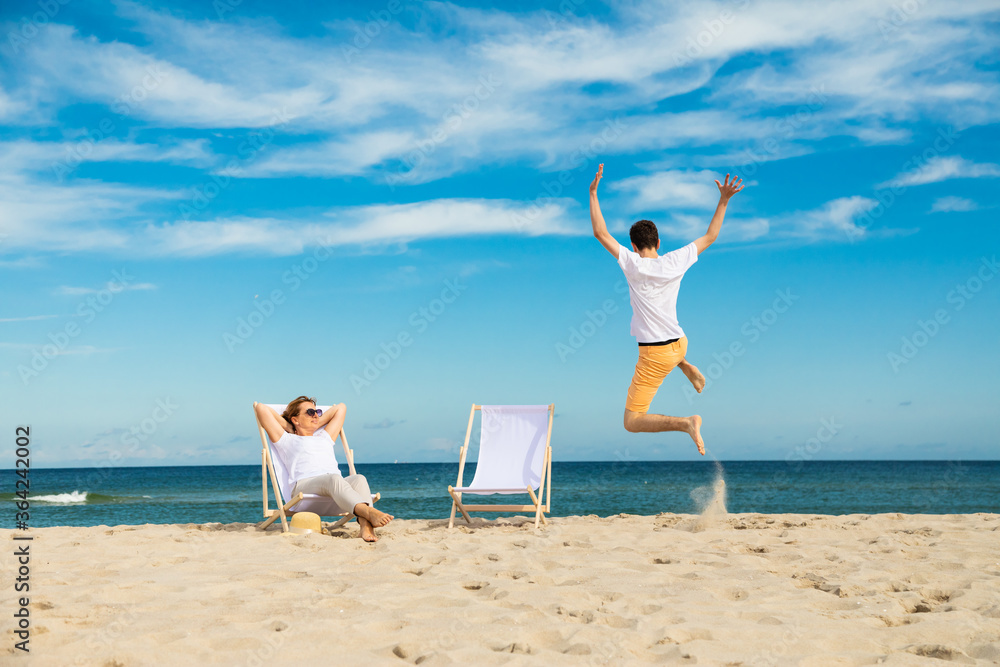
(942, 169)
(9, 107)
(379, 224)
(671, 189)
(113, 445)
(834, 221)
(84, 216)
(26, 262)
(29, 318)
(58, 351)
(67, 290)
(134, 82)
(559, 79)
(734, 229)
(384, 423)
(949, 204)
(240, 235)
(556, 86)
(353, 155)
(60, 157)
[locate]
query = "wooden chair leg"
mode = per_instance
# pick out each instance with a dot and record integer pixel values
(457, 503)
(268, 522)
(538, 506)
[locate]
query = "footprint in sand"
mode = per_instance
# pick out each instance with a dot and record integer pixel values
(619, 622)
(685, 635)
(515, 647)
(940, 652)
(475, 585)
(409, 653)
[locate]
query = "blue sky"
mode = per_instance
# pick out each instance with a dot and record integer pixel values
(343, 178)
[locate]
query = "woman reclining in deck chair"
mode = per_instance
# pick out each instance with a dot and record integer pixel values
(304, 439)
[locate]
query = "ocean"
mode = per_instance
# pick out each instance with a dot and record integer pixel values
(226, 494)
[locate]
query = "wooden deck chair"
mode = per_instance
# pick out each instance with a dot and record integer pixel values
(271, 466)
(515, 456)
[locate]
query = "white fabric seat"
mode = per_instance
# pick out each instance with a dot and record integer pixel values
(515, 456)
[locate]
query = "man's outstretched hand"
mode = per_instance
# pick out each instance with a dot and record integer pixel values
(726, 189)
(597, 178)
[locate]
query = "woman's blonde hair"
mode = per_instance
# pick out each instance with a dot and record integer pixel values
(294, 408)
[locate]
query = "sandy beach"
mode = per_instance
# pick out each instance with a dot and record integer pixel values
(740, 589)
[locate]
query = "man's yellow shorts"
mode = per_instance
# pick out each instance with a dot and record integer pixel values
(655, 363)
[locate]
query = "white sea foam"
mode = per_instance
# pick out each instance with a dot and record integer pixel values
(62, 498)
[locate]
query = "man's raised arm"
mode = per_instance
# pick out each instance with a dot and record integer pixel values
(597, 219)
(726, 191)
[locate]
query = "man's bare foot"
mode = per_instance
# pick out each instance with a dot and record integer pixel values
(367, 532)
(694, 375)
(695, 432)
(375, 517)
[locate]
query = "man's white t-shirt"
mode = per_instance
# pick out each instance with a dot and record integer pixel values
(307, 455)
(652, 286)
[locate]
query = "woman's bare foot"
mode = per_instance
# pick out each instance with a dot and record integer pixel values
(375, 517)
(694, 430)
(367, 531)
(693, 374)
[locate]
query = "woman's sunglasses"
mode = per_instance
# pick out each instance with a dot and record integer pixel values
(314, 413)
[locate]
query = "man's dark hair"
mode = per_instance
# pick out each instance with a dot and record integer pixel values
(644, 235)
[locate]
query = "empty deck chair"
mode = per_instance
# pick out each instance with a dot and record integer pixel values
(515, 456)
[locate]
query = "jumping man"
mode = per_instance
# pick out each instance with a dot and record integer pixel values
(653, 282)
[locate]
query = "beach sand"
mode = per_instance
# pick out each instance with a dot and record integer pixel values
(738, 589)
